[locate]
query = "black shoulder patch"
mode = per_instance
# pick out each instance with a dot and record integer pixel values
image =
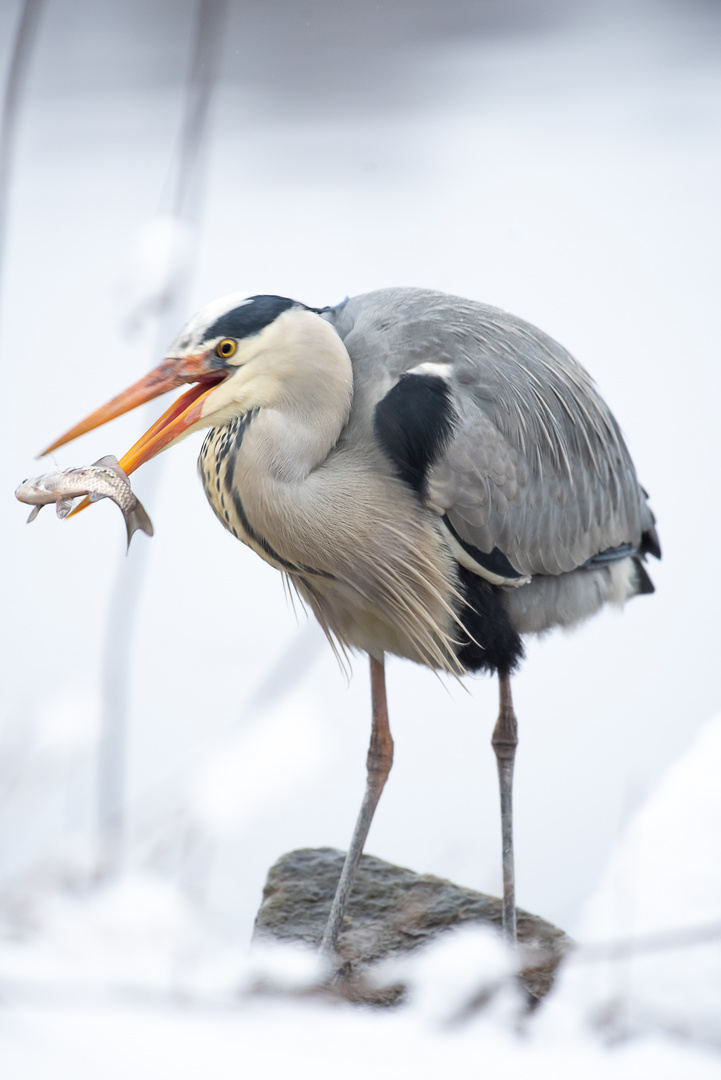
(250, 318)
(413, 423)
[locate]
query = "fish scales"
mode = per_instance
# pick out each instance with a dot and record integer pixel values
(104, 479)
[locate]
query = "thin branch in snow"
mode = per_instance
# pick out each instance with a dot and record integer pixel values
(123, 609)
(12, 98)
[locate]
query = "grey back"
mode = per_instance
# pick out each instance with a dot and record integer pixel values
(537, 466)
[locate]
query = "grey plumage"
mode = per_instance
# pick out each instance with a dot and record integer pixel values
(434, 476)
(537, 466)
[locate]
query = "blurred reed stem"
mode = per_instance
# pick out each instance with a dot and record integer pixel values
(184, 199)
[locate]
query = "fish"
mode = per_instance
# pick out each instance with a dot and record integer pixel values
(104, 479)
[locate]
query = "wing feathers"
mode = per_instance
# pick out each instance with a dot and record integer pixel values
(536, 466)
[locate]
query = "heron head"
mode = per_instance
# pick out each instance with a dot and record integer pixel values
(240, 353)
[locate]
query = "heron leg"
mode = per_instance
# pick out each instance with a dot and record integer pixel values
(380, 759)
(504, 742)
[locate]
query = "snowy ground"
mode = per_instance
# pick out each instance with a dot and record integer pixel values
(126, 980)
(564, 164)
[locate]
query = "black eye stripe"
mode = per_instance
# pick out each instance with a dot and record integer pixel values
(250, 317)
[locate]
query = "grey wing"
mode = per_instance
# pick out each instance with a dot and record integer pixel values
(536, 470)
(549, 505)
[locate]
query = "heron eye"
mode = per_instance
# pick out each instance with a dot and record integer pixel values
(226, 348)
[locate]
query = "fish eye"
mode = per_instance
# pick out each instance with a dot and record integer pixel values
(226, 348)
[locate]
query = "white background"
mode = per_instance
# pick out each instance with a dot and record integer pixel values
(562, 163)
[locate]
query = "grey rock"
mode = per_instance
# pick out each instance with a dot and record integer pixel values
(390, 912)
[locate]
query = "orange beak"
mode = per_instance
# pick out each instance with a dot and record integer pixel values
(182, 414)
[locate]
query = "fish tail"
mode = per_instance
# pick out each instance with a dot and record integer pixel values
(137, 518)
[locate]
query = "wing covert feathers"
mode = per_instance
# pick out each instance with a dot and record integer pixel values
(536, 465)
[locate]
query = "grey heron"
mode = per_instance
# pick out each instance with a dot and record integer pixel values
(435, 477)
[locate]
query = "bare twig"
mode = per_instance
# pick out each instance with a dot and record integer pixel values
(622, 948)
(681, 938)
(185, 208)
(14, 85)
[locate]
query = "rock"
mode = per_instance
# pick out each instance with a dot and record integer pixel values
(391, 911)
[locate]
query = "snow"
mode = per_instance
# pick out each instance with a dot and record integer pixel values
(156, 264)
(68, 721)
(232, 789)
(662, 887)
(446, 978)
(566, 168)
(126, 978)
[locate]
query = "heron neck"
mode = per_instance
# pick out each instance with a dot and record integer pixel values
(285, 448)
(295, 431)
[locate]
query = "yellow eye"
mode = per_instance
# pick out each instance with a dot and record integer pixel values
(226, 348)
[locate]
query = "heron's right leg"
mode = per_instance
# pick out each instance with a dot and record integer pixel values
(380, 759)
(504, 742)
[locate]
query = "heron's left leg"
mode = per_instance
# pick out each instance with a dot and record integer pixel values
(380, 759)
(504, 742)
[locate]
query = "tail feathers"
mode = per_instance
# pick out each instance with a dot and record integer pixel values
(643, 582)
(136, 519)
(650, 543)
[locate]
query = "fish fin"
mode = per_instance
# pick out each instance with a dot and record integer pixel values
(111, 462)
(136, 519)
(34, 512)
(96, 496)
(63, 507)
